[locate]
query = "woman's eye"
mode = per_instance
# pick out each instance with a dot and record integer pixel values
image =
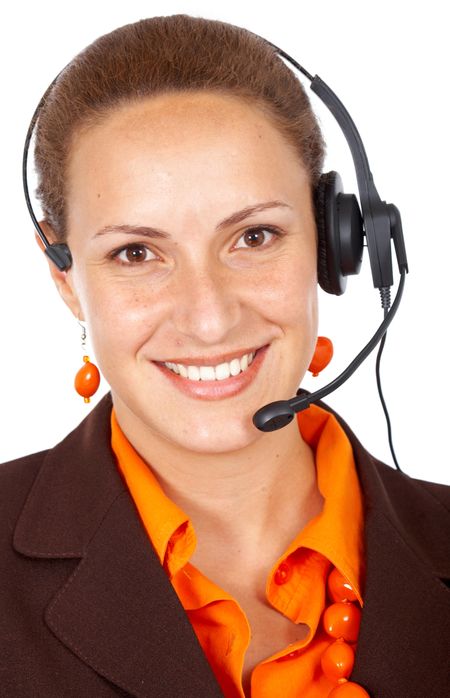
(257, 237)
(134, 254)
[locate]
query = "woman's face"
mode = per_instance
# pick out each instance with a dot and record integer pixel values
(192, 232)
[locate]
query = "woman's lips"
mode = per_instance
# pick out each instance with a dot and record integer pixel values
(214, 389)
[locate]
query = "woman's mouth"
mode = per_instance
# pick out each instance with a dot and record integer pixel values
(218, 381)
(207, 373)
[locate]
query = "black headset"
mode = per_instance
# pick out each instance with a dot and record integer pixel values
(342, 226)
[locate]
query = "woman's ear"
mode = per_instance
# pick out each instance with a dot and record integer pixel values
(63, 279)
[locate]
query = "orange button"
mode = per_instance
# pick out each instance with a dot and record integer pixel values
(283, 574)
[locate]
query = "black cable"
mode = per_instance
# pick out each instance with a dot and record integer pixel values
(303, 401)
(383, 402)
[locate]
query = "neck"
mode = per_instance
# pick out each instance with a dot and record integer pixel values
(265, 491)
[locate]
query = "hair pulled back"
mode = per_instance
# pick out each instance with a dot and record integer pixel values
(166, 54)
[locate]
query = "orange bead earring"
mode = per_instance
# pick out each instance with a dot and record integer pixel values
(323, 354)
(87, 379)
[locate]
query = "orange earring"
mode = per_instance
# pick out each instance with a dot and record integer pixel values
(323, 354)
(87, 379)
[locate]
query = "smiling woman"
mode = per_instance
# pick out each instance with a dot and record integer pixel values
(191, 554)
(230, 272)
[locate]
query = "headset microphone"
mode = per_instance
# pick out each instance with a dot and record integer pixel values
(280, 413)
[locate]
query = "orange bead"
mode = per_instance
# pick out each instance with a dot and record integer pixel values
(342, 620)
(87, 379)
(337, 660)
(339, 588)
(348, 690)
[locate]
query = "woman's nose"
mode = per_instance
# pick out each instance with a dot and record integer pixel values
(206, 304)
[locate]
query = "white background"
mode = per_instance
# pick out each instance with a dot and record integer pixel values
(388, 63)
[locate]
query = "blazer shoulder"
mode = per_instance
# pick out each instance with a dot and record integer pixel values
(421, 513)
(433, 493)
(14, 469)
(438, 490)
(16, 478)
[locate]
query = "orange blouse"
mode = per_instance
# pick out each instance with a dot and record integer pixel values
(296, 585)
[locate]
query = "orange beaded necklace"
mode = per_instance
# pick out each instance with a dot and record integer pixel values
(341, 621)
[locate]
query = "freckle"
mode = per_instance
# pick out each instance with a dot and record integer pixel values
(98, 196)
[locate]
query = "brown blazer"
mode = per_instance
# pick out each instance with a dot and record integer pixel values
(86, 610)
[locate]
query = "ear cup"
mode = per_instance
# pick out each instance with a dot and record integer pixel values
(340, 233)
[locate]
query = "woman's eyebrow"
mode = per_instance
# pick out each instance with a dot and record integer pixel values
(235, 218)
(248, 211)
(144, 230)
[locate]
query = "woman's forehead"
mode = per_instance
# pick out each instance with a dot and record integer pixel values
(176, 123)
(182, 145)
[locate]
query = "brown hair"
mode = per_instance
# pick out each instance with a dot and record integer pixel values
(161, 54)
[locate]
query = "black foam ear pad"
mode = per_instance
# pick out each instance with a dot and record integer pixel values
(340, 233)
(321, 223)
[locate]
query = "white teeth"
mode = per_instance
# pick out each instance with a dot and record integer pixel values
(235, 367)
(222, 371)
(193, 373)
(182, 370)
(208, 373)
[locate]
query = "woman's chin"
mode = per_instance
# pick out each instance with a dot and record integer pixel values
(212, 431)
(214, 437)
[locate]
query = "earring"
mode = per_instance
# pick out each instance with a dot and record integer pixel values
(87, 379)
(322, 356)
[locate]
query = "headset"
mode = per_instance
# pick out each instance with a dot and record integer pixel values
(342, 226)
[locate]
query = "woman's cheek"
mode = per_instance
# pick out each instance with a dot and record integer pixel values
(119, 321)
(289, 291)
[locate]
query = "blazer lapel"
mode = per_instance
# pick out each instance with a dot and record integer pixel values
(117, 612)
(404, 642)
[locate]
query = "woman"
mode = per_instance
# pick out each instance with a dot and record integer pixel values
(166, 547)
